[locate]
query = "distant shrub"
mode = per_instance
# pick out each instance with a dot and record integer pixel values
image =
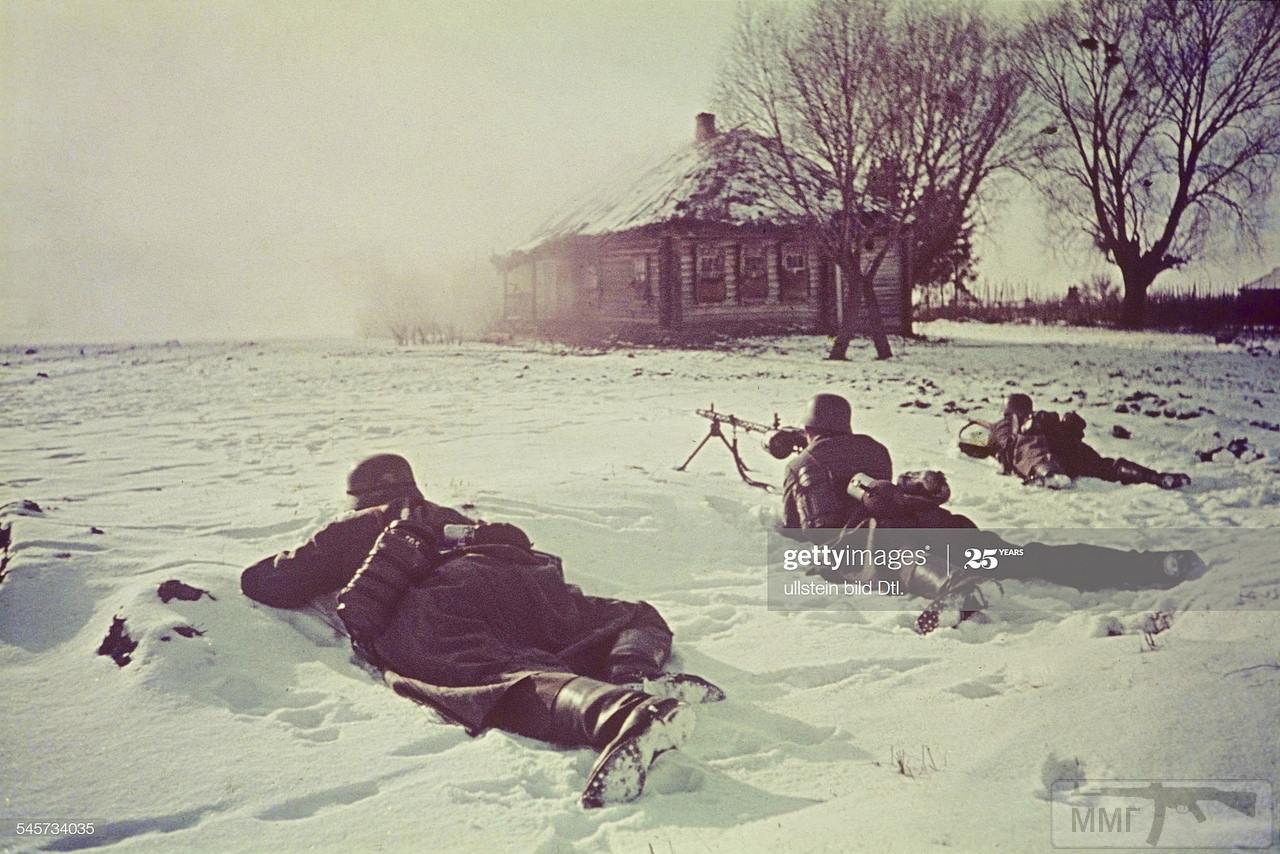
(1096, 302)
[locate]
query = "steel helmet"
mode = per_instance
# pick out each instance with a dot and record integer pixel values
(829, 413)
(377, 476)
(1019, 405)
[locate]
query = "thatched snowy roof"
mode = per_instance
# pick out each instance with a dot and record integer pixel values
(720, 180)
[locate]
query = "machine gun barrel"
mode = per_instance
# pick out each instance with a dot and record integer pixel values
(741, 423)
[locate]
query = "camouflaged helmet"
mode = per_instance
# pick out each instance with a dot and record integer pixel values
(382, 476)
(829, 413)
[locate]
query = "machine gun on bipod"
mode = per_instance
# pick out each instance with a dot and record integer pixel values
(781, 442)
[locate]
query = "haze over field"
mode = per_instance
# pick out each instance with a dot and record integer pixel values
(235, 169)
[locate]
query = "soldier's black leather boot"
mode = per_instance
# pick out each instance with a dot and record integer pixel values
(651, 729)
(628, 727)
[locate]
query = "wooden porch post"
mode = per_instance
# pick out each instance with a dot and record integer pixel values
(668, 273)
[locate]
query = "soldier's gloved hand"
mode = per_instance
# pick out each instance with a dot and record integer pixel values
(501, 534)
(1172, 480)
(785, 442)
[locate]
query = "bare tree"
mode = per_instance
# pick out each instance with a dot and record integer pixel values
(957, 75)
(1161, 123)
(877, 118)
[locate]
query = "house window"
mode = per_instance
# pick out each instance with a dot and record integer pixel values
(709, 280)
(593, 286)
(753, 276)
(641, 279)
(624, 281)
(793, 272)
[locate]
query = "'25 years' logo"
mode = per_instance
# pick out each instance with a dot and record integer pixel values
(980, 559)
(987, 558)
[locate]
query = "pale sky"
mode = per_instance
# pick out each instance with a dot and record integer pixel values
(242, 169)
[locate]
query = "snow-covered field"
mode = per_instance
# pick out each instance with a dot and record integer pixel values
(261, 734)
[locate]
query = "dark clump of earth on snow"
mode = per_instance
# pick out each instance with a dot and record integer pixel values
(1152, 405)
(185, 631)
(175, 589)
(24, 507)
(117, 644)
(1120, 432)
(1237, 447)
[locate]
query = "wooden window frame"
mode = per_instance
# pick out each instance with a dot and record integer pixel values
(759, 283)
(642, 278)
(640, 268)
(787, 291)
(717, 282)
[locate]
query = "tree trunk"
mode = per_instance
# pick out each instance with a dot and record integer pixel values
(874, 321)
(1133, 309)
(875, 324)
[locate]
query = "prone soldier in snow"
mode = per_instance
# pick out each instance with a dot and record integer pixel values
(820, 489)
(816, 483)
(487, 631)
(847, 486)
(1046, 449)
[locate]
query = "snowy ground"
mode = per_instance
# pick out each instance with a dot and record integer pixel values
(261, 734)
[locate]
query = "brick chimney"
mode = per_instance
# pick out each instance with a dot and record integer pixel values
(705, 127)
